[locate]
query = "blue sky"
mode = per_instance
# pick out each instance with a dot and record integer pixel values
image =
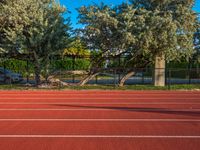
(73, 4)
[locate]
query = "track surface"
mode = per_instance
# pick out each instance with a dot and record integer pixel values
(99, 120)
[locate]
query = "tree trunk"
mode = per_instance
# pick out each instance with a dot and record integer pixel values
(56, 82)
(94, 71)
(159, 70)
(124, 78)
(88, 78)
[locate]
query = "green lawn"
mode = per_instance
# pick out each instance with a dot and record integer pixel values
(105, 87)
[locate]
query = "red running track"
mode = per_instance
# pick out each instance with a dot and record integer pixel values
(99, 120)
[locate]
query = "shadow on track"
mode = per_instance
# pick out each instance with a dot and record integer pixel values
(140, 109)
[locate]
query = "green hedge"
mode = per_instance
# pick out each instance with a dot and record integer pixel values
(20, 66)
(17, 66)
(70, 64)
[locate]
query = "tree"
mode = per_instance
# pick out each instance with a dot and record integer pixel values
(77, 48)
(148, 30)
(106, 32)
(196, 55)
(169, 35)
(37, 28)
(2, 24)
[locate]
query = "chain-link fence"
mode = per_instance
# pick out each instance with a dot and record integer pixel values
(111, 71)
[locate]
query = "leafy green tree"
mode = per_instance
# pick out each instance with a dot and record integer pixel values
(170, 25)
(36, 28)
(196, 56)
(146, 30)
(107, 32)
(77, 48)
(2, 24)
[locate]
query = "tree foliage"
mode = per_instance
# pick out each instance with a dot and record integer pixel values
(170, 25)
(106, 28)
(36, 28)
(196, 56)
(148, 27)
(140, 30)
(77, 48)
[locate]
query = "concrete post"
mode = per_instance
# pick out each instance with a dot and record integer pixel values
(159, 71)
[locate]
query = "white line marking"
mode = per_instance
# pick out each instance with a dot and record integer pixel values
(103, 109)
(97, 98)
(101, 136)
(96, 91)
(105, 120)
(146, 93)
(77, 103)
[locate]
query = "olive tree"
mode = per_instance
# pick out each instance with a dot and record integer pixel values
(107, 32)
(36, 28)
(170, 25)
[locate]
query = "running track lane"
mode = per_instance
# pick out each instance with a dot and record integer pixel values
(97, 114)
(100, 135)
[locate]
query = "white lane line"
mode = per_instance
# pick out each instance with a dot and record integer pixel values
(104, 120)
(114, 103)
(101, 136)
(103, 109)
(99, 92)
(98, 98)
(146, 93)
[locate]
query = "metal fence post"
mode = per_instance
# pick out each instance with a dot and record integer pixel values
(143, 76)
(60, 84)
(169, 76)
(96, 79)
(115, 84)
(190, 69)
(119, 66)
(27, 71)
(4, 70)
(73, 67)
